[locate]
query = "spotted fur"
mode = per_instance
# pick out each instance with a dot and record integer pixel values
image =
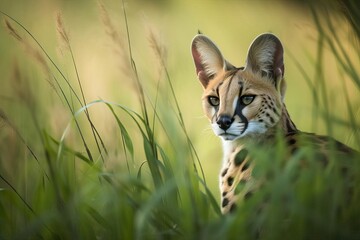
(246, 106)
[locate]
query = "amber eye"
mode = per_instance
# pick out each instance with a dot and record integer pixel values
(214, 101)
(247, 99)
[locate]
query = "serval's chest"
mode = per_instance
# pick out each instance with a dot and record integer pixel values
(236, 181)
(235, 174)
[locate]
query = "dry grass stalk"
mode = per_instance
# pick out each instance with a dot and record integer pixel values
(156, 44)
(118, 41)
(11, 30)
(35, 54)
(60, 27)
(5, 121)
(109, 26)
(20, 86)
(3, 117)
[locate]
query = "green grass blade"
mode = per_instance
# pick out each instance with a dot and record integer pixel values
(124, 133)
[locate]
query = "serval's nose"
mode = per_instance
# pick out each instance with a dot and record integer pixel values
(224, 122)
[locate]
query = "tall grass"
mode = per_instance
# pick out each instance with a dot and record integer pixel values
(145, 203)
(157, 189)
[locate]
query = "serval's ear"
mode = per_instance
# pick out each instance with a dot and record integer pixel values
(266, 56)
(208, 59)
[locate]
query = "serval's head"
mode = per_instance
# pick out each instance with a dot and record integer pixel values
(246, 101)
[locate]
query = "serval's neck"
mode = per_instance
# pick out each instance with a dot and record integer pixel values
(285, 123)
(285, 126)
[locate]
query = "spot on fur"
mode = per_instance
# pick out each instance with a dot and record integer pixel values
(240, 157)
(224, 172)
(230, 181)
(240, 186)
(248, 195)
(292, 141)
(233, 207)
(225, 202)
(246, 166)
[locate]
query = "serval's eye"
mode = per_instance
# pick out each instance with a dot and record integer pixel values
(214, 101)
(247, 99)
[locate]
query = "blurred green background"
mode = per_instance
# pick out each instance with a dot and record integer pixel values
(103, 68)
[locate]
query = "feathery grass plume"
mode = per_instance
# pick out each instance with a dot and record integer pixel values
(11, 30)
(40, 55)
(156, 44)
(33, 52)
(118, 41)
(64, 37)
(110, 29)
(135, 76)
(160, 51)
(36, 55)
(61, 28)
(20, 86)
(41, 59)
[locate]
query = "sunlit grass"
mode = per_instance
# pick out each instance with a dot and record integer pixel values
(142, 178)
